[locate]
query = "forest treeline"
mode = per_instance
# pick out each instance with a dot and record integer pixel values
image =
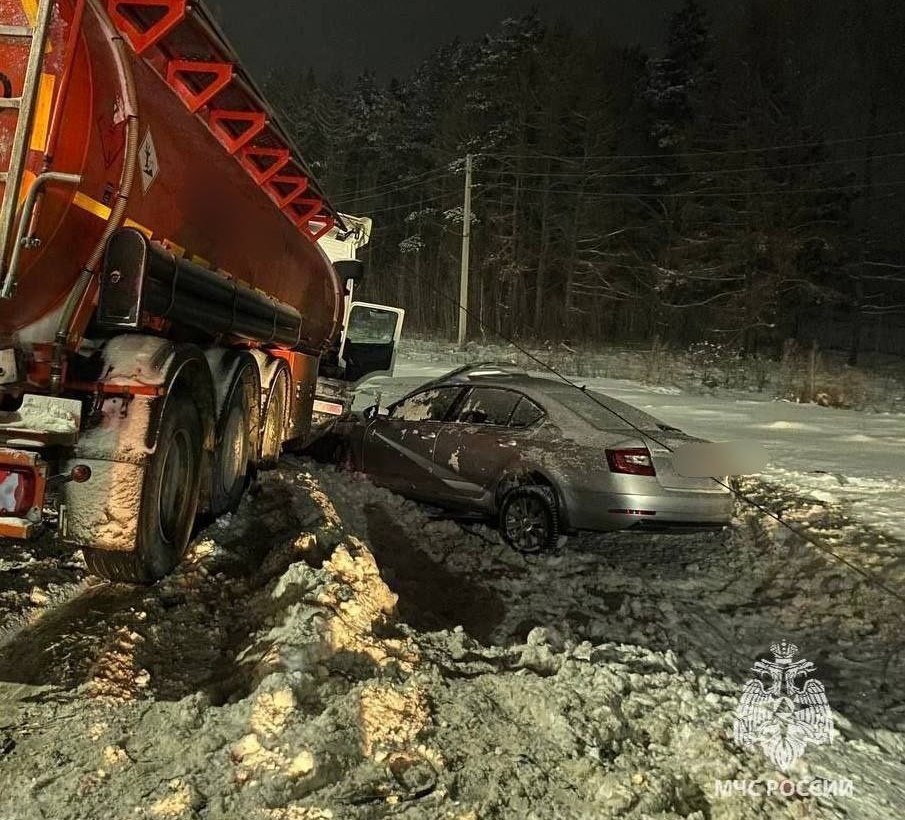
(743, 184)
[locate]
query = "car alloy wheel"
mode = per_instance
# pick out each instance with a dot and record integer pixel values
(529, 519)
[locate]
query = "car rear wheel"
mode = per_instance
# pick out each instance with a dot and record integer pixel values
(529, 519)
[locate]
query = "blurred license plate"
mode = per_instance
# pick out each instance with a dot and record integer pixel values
(703, 459)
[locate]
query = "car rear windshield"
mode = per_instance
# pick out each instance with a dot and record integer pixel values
(606, 413)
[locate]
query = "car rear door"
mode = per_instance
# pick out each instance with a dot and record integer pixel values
(481, 440)
(398, 450)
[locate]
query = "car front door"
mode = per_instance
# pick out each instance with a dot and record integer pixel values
(479, 443)
(398, 449)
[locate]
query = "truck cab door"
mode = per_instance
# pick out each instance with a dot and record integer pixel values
(370, 340)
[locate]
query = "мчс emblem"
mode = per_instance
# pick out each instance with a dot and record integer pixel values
(785, 710)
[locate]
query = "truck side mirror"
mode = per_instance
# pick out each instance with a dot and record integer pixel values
(349, 269)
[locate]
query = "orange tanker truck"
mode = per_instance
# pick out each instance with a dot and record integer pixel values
(169, 319)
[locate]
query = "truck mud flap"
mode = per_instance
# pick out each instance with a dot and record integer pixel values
(103, 512)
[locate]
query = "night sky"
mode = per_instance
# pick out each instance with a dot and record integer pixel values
(393, 36)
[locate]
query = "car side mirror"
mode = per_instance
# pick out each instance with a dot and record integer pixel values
(375, 411)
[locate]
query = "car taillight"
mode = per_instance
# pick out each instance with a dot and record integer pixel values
(17, 491)
(631, 461)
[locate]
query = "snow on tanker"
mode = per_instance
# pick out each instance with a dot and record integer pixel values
(169, 319)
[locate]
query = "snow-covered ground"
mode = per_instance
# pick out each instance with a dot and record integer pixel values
(333, 651)
(845, 457)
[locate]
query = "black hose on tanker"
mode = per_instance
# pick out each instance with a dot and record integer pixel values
(118, 212)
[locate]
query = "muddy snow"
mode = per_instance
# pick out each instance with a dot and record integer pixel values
(333, 651)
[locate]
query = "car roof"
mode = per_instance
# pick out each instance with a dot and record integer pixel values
(491, 374)
(481, 371)
(554, 395)
(497, 374)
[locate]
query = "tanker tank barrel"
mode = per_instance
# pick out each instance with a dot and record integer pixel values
(216, 176)
(140, 277)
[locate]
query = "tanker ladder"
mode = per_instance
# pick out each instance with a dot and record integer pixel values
(24, 105)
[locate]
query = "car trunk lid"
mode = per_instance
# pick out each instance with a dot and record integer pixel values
(661, 447)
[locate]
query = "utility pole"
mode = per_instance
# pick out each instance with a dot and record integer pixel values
(466, 246)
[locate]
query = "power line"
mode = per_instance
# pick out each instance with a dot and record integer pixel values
(392, 187)
(710, 194)
(416, 203)
(603, 195)
(815, 541)
(388, 184)
(594, 175)
(433, 175)
(592, 196)
(763, 149)
(439, 171)
(393, 190)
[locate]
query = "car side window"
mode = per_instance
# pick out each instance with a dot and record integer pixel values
(428, 405)
(487, 405)
(526, 413)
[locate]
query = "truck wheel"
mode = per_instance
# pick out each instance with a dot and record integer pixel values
(274, 425)
(233, 457)
(169, 501)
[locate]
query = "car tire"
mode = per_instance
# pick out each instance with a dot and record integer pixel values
(529, 519)
(169, 501)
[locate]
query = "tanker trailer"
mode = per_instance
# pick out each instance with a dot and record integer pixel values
(164, 301)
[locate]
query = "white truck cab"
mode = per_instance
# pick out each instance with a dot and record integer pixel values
(370, 333)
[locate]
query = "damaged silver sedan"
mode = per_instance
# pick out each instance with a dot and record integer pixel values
(539, 456)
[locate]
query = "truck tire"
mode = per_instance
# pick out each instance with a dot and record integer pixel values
(273, 427)
(169, 501)
(234, 455)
